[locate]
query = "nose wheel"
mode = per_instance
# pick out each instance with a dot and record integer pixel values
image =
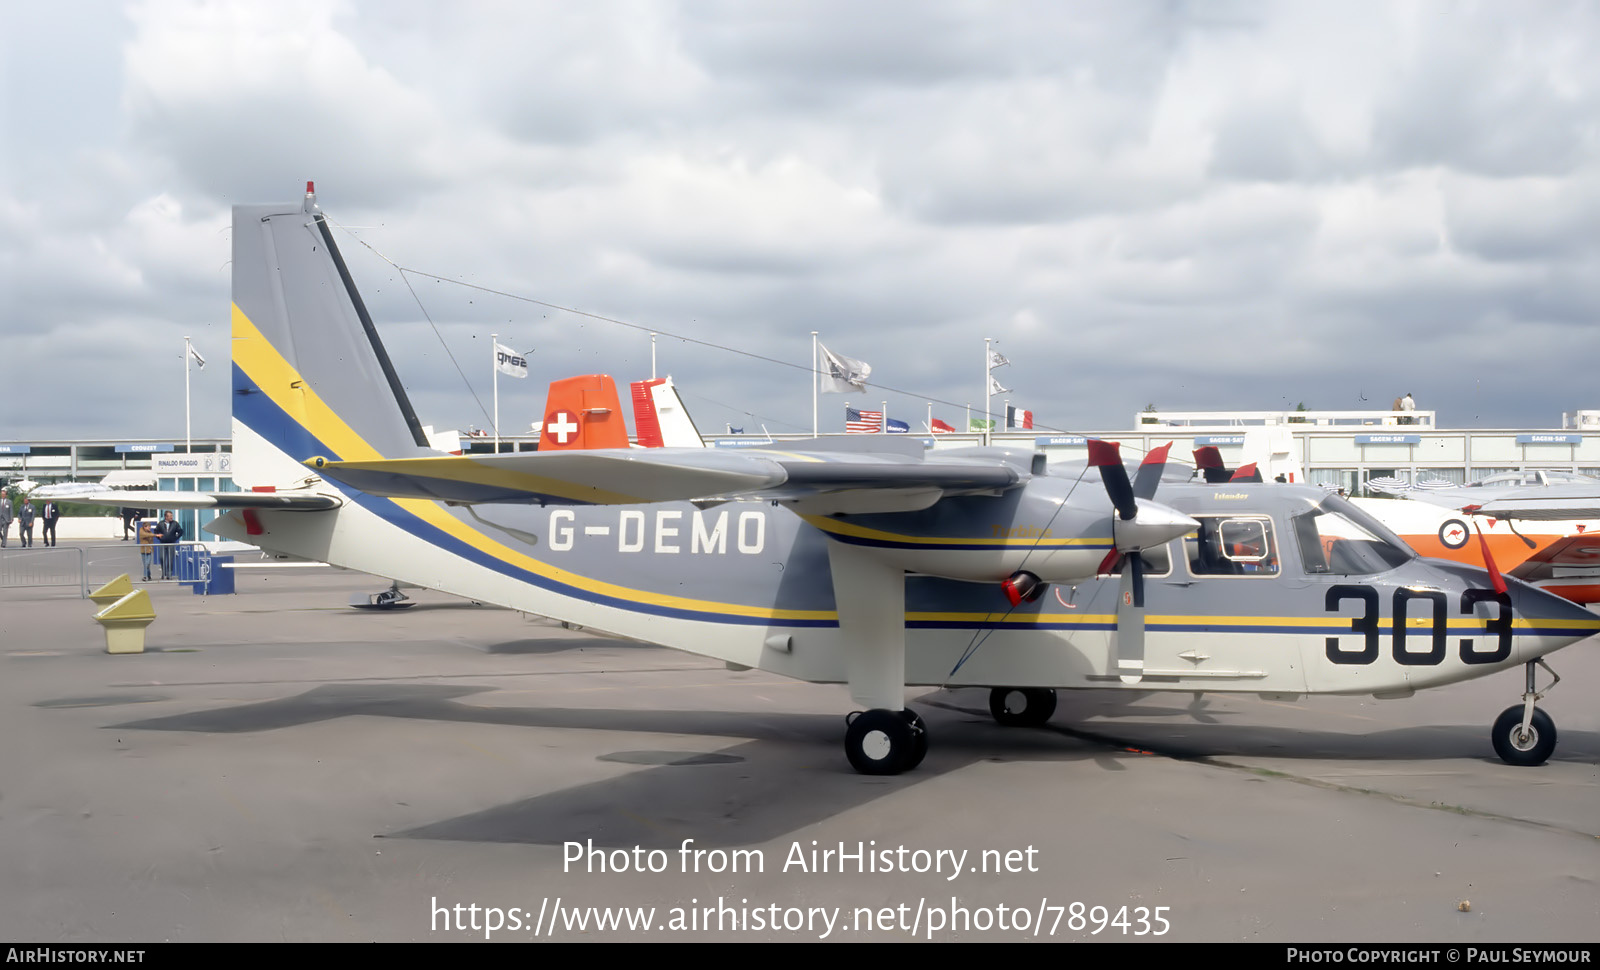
(880, 742)
(1524, 735)
(1517, 745)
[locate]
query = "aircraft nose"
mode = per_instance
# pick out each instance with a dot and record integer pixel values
(1153, 525)
(1549, 617)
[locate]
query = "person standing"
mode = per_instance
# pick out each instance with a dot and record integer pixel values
(169, 532)
(147, 538)
(6, 515)
(25, 522)
(130, 516)
(51, 514)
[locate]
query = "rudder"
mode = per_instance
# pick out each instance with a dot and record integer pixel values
(310, 374)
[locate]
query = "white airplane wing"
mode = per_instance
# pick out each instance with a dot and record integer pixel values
(1542, 504)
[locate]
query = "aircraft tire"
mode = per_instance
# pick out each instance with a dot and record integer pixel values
(1535, 749)
(880, 742)
(1022, 706)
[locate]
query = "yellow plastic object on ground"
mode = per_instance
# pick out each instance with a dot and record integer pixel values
(113, 591)
(125, 621)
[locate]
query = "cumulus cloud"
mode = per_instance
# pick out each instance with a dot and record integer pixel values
(1203, 206)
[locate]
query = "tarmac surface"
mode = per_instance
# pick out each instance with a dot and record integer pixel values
(279, 766)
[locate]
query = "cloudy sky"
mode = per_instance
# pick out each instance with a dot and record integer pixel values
(1199, 206)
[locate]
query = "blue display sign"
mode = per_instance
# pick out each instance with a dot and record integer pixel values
(16, 449)
(1219, 439)
(1549, 439)
(140, 449)
(1045, 441)
(1388, 439)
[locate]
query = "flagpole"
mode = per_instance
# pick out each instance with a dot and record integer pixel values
(930, 417)
(883, 419)
(494, 372)
(988, 377)
(188, 438)
(652, 356)
(814, 381)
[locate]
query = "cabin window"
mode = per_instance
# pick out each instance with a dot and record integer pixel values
(1235, 545)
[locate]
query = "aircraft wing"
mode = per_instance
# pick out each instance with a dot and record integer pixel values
(290, 501)
(1553, 502)
(849, 480)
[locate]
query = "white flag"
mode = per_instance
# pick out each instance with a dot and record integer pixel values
(995, 388)
(197, 358)
(508, 361)
(841, 375)
(996, 360)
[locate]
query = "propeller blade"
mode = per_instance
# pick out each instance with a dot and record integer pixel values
(1130, 622)
(1208, 459)
(1149, 476)
(1107, 456)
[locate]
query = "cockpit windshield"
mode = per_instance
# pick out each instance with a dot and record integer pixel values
(1338, 538)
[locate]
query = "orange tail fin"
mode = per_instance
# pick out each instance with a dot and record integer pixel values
(583, 412)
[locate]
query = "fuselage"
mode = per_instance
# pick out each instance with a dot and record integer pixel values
(1259, 599)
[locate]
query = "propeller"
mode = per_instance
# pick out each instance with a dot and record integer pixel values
(1209, 460)
(1246, 473)
(1139, 524)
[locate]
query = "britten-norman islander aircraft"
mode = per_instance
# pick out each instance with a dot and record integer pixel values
(862, 560)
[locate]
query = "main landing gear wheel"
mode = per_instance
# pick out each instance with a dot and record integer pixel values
(1022, 706)
(880, 742)
(1518, 748)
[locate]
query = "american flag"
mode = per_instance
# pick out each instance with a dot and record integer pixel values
(862, 422)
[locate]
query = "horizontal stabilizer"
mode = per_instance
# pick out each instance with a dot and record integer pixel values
(285, 501)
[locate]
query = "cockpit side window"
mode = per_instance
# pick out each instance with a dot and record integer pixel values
(1338, 538)
(1234, 545)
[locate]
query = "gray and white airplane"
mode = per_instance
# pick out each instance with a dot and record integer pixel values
(862, 561)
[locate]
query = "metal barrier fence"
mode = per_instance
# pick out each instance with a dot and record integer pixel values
(44, 566)
(85, 566)
(172, 562)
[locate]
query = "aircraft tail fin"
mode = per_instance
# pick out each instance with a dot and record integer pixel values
(583, 412)
(659, 417)
(310, 374)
